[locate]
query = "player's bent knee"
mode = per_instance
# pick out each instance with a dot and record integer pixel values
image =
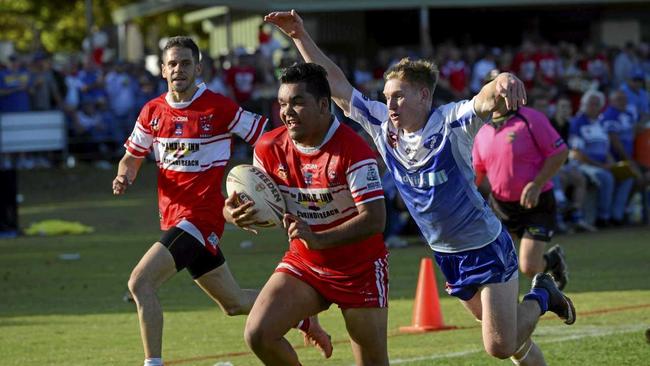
(255, 337)
(138, 285)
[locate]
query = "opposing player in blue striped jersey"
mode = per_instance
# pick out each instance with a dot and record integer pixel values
(428, 151)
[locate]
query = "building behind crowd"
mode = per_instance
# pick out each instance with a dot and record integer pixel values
(357, 28)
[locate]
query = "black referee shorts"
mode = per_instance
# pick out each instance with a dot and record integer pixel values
(537, 223)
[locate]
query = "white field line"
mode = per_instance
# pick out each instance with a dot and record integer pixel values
(544, 332)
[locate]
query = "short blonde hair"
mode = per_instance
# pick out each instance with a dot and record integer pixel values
(422, 72)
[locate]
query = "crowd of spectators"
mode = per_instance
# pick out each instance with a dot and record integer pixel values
(595, 96)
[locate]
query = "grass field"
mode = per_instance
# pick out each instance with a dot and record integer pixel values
(71, 312)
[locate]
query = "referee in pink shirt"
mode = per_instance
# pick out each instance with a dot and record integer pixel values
(519, 152)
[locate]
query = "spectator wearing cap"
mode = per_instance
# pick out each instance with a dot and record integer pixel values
(15, 82)
(638, 100)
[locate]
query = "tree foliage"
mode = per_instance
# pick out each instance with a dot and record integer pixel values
(50, 24)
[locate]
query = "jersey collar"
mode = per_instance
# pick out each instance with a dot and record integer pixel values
(181, 105)
(328, 136)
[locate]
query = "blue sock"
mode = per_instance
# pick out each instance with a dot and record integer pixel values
(541, 296)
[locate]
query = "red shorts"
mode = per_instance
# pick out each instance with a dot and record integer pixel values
(364, 287)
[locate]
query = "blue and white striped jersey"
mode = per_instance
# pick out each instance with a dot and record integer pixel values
(433, 172)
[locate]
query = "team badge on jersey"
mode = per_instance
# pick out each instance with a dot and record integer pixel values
(309, 171)
(308, 177)
(511, 137)
(433, 141)
(155, 124)
(205, 123)
(178, 129)
(331, 171)
(281, 171)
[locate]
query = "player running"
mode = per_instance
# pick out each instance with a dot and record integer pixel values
(190, 129)
(428, 152)
(331, 185)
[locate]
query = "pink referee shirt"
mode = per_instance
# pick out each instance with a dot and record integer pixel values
(511, 156)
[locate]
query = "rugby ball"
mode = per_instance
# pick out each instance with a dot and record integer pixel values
(253, 184)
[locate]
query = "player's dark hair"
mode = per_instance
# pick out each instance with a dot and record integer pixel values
(314, 76)
(182, 42)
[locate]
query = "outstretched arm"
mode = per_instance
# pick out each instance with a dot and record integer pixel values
(506, 89)
(291, 24)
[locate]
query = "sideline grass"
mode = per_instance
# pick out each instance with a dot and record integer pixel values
(56, 312)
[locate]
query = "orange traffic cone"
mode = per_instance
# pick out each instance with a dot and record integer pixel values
(427, 316)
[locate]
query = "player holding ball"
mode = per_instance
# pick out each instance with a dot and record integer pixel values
(335, 217)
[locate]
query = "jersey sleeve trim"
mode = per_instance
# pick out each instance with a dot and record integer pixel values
(235, 120)
(135, 150)
(258, 128)
(369, 198)
(359, 165)
(217, 138)
(135, 156)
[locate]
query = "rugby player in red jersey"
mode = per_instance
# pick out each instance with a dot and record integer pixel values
(190, 130)
(329, 178)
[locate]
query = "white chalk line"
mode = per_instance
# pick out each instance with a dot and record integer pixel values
(540, 334)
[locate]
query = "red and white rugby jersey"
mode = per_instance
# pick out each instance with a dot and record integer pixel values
(192, 145)
(323, 187)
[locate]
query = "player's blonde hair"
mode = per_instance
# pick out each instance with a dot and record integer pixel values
(421, 72)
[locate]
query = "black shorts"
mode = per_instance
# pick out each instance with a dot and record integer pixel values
(537, 223)
(190, 253)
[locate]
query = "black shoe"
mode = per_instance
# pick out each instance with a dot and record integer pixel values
(556, 266)
(558, 302)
